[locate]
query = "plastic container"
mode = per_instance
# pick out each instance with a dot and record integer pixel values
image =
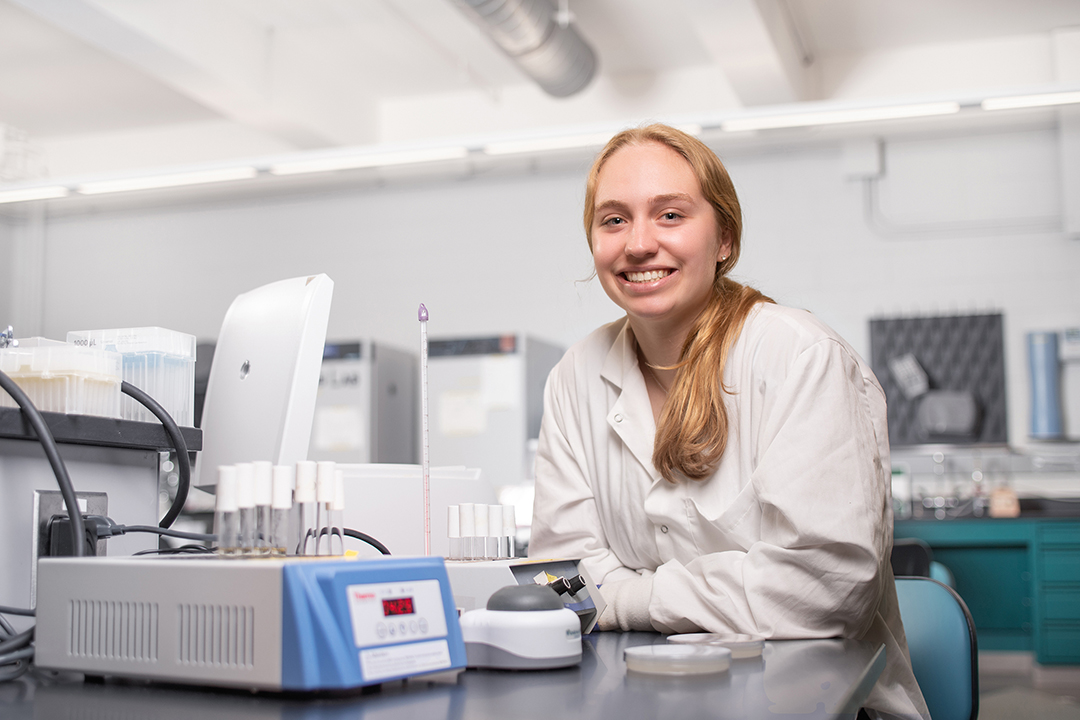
(159, 362)
(741, 646)
(62, 378)
(677, 659)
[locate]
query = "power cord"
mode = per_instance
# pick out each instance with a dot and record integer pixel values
(52, 453)
(179, 444)
(102, 527)
(366, 538)
(17, 649)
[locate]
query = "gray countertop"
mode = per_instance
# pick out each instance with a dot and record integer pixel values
(806, 678)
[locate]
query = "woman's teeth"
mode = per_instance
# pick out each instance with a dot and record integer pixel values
(641, 277)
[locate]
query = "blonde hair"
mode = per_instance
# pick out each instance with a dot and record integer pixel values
(692, 432)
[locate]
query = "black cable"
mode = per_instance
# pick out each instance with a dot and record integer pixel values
(24, 653)
(9, 631)
(21, 666)
(48, 444)
(366, 538)
(179, 445)
(124, 529)
(16, 611)
(17, 642)
(182, 550)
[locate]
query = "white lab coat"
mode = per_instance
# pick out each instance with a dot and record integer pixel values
(789, 538)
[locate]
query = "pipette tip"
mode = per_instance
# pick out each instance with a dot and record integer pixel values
(421, 314)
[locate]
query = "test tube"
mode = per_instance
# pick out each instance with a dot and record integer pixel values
(480, 541)
(304, 498)
(453, 531)
(226, 512)
(468, 530)
(264, 495)
(324, 499)
(492, 544)
(509, 529)
(281, 502)
(337, 515)
(245, 499)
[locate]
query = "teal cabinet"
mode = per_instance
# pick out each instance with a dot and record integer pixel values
(1020, 578)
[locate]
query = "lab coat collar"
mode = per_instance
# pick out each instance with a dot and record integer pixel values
(630, 417)
(621, 360)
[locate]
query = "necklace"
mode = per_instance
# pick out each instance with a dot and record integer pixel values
(656, 378)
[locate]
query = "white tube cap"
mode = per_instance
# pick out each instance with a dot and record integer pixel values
(468, 520)
(495, 521)
(305, 482)
(324, 481)
(283, 479)
(481, 514)
(226, 489)
(264, 482)
(245, 485)
(453, 521)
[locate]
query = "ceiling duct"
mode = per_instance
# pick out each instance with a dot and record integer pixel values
(550, 52)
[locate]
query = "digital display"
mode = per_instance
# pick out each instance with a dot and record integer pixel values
(397, 606)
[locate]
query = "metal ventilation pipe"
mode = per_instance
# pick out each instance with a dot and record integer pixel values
(553, 55)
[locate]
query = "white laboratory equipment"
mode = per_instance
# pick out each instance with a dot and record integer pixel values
(386, 501)
(278, 624)
(474, 583)
(486, 401)
(260, 397)
(367, 407)
(523, 627)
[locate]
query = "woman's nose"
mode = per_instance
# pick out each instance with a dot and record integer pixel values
(641, 241)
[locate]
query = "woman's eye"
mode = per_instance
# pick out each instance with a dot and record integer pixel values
(614, 221)
(671, 216)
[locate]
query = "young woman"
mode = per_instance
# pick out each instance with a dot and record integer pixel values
(720, 463)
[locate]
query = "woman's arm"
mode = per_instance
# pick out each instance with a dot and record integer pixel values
(813, 524)
(566, 523)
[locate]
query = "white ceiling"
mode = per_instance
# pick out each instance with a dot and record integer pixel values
(96, 86)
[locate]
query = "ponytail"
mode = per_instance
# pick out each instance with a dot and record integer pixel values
(692, 433)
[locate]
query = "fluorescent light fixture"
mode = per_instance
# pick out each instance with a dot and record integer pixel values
(367, 160)
(34, 193)
(834, 117)
(147, 182)
(546, 144)
(1030, 101)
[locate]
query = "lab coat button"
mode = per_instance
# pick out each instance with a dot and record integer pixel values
(663, 528)
(618, 418)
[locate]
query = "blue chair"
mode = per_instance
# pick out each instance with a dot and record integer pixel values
(943, 645)
(942, 574)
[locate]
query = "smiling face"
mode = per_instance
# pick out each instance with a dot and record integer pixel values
(655, 237)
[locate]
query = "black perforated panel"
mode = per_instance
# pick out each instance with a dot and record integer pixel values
(963, 352)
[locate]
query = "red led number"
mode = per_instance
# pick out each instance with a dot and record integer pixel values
(397, 606)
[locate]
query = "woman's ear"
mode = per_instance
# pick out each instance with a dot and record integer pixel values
(725, 245)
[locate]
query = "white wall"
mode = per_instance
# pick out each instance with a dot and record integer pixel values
(507, 253)
(6, 259)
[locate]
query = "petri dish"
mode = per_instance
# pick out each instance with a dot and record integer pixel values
(678, 659)
(741, 646)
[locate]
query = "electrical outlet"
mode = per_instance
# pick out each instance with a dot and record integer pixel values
(51, 502)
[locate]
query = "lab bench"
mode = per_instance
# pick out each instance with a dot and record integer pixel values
(807, 679)
(1019, 577)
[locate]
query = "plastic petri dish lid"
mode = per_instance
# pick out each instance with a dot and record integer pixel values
(741, 646)
(678, 659)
